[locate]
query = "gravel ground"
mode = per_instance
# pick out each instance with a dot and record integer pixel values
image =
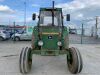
(48, 65)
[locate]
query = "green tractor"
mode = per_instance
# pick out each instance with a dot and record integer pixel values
(50, 38)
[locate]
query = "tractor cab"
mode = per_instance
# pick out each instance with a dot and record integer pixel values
(50, 20)
(50, 17)
(50, 29)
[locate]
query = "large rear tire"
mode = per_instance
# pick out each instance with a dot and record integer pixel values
(25, 61)
(74, 60)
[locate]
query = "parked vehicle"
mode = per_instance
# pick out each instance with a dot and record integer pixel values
(11, 32)
(21, 36)
(4, 35)
(72, 31)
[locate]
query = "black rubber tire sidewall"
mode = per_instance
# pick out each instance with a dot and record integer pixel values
(1, 38)
(16, 39)
(77, 63)
(23, 61)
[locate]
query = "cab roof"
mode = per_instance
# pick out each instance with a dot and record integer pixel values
(48, 9)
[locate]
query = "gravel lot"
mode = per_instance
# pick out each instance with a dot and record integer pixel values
(47, 65)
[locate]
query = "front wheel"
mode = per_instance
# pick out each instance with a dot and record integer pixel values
(25, 61)
(1, 38)
(16, 39)
(74, 60)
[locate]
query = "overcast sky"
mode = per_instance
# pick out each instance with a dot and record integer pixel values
(13, 10)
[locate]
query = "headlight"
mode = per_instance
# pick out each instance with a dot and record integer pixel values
(40, 43)
(59, 43)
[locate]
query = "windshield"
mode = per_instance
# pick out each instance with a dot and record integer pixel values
(5, 32)
(46, 18)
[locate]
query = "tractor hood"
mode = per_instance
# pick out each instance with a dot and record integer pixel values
(50, 36)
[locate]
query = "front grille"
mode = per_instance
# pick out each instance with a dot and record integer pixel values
(50, 41)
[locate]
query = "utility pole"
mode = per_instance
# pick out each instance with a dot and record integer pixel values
(14, 31)
(96, 27)
(82, 32)
(92, 31)
(53, 3)
(25, 14)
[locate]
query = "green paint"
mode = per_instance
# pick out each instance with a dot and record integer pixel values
(50, 43)
(46, 52)
(50, 35)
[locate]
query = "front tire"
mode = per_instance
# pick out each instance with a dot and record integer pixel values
(74, 61)
(25, 61)
(16, 39)
(1, 38)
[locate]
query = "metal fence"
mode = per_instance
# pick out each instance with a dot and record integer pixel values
(84, 35)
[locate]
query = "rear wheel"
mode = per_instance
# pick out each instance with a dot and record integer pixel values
(25, 61)
(16, 39)
(1, 38)
(74, 60)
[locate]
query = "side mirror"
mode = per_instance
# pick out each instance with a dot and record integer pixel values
(33, 16)
(68, 17)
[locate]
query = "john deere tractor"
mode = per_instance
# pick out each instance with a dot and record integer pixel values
(50, 38)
